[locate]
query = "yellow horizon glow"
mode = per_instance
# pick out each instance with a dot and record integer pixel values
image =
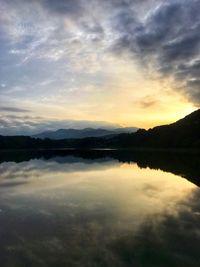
(130, 98)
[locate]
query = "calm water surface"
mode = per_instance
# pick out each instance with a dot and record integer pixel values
(99, 210)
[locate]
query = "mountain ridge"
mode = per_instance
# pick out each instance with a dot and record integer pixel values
(82, 133)
(183, 134)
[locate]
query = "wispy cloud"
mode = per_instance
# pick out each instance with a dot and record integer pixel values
(56, 50)
(29, 125)
(13, 110)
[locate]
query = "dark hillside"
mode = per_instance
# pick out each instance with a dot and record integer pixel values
(184, 133)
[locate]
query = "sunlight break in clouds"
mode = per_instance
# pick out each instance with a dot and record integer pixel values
(128, 62)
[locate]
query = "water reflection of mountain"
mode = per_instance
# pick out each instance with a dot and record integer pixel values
(185, 164)
(143, 222)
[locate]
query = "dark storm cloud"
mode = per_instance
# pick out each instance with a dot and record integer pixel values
(168, 37)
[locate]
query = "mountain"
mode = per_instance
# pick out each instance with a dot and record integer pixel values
(186, 165)
(81, 133)
(183, 134)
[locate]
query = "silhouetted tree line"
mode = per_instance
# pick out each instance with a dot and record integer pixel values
(182, 163)
(183, 134)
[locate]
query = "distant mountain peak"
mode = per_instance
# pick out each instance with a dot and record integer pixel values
(82, 133)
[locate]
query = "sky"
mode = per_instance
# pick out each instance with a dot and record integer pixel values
(97, 63)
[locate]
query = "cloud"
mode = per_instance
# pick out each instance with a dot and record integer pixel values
(29, 125)
(79, 44)
(148, 101)
(167, 40)
(13, 109)
(69, 7)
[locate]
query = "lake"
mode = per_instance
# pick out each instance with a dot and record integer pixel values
(99, 208)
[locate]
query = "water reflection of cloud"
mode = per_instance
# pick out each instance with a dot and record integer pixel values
(175, 241)
(95, 239)
(34, 168)
(101, 214)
